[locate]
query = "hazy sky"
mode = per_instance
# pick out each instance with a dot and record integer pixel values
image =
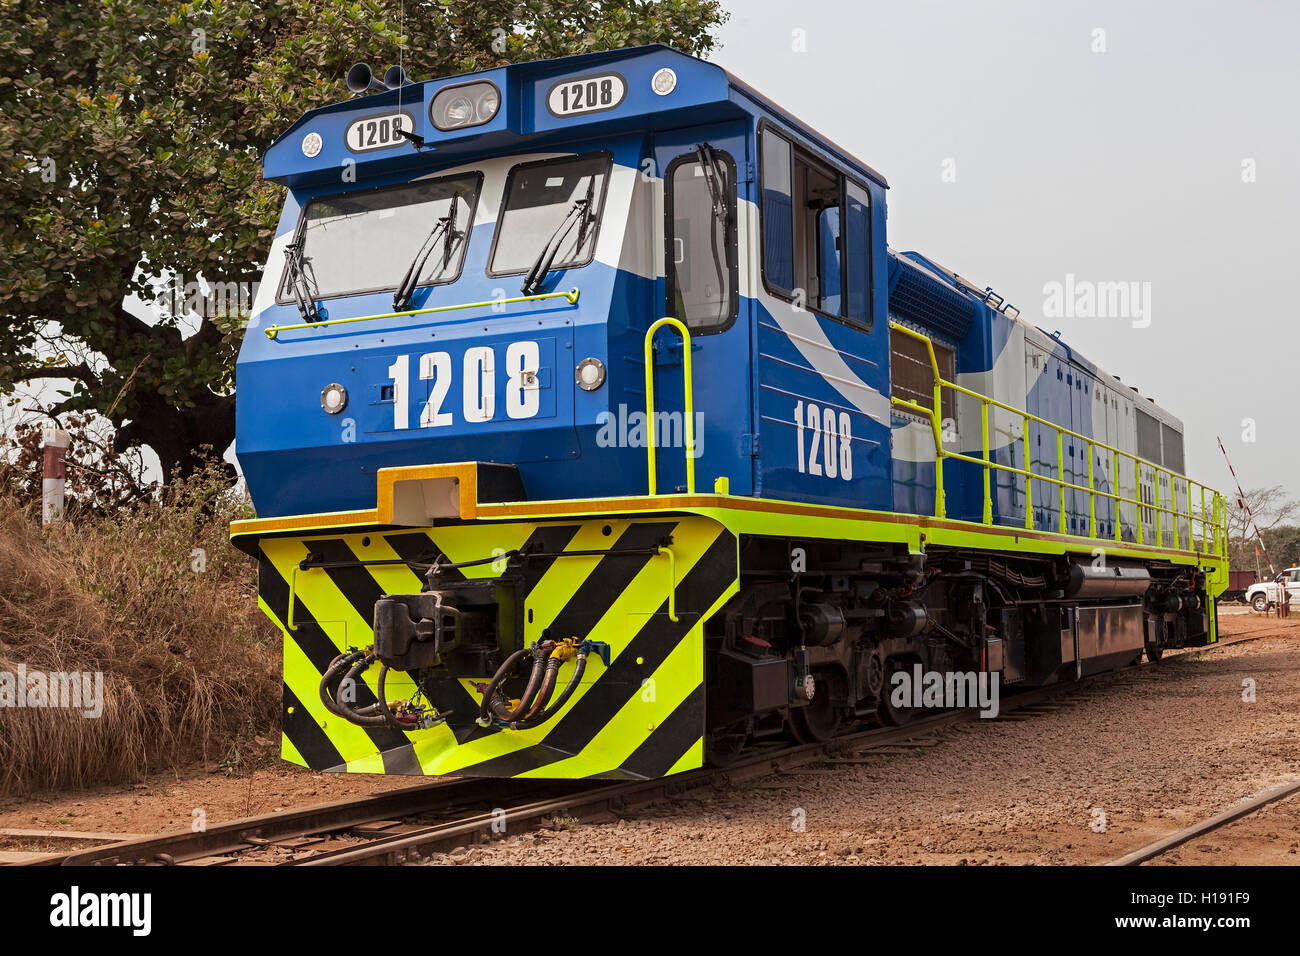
(1123, 165)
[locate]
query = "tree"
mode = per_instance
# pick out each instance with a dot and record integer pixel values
(132, 131)
(1271, 509)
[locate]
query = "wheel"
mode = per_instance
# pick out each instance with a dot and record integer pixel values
(817, 720)
(1260, 602)
(888, 712)
(1154, 652)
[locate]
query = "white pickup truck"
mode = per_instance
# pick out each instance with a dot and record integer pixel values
(1264, 595)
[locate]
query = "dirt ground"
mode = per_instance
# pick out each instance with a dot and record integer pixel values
(1131, 759)
(1128, 762)
(168, 801)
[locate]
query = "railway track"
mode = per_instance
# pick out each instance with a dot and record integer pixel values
(404, 825)
(1245, 808)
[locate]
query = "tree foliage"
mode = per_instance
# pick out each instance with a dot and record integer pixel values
(131, 134)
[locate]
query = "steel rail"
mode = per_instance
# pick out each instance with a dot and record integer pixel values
(1178, 838)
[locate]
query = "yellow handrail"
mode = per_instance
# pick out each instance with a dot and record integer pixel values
(689, 400)
(572, 295)
(1213, 528)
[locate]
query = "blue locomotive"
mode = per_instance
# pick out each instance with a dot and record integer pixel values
(574, 378)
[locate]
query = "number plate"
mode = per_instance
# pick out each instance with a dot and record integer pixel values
(382, 131)
(461, 391)
(586, 94)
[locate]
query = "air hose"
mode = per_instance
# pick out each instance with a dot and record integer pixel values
(534, 708)
(348, 667)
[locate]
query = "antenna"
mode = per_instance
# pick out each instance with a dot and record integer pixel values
(1245, 506)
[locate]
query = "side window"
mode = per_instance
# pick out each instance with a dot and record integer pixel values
(816, 232)
(778, 219)
(1148, 437)
(1173, 448)
(702, 279)
(857, 218)
(817, 237)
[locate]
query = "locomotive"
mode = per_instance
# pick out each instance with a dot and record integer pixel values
(595, 430)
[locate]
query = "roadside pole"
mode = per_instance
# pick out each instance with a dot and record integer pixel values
(56, 442)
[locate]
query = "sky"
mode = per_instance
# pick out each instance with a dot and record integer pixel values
(1022, 146)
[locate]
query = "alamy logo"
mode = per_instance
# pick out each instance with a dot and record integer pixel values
(1084, 299)
(76, 690)
(628, 430)
(945, 690)
(76, 909)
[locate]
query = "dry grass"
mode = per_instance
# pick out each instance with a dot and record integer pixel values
(190, 664)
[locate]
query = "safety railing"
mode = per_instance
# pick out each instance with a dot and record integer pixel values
(572, 295)
(689, 430)
(1211, 518)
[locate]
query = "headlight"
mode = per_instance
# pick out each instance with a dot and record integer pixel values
(664, 81)
(590, 374)
(333, 398)
(470, 104)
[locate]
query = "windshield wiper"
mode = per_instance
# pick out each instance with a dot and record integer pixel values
(579, 212)
(444, 229)
(712, 169)
(302, 281)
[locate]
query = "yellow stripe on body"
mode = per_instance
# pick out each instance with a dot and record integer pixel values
(339, 621)
(691, 760)
(289, 753)
(565, 575)
(681, 672)
(436, 749)
(548, 598)
(351, 741)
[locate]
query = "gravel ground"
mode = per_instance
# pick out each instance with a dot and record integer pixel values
(1153, 755)
(1130, 759)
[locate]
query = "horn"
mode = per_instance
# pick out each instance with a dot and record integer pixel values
(394, 77)
(361, 80)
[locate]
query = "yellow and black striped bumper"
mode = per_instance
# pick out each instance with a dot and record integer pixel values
(642, 716)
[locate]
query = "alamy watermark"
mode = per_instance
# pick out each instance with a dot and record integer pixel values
(208, 299)
(1084, 299)
(946, 690)
(629, 430)
(66, 690)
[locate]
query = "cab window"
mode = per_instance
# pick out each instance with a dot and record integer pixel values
(365, 241)
(700, 230)
(816, 229)
(552, 207)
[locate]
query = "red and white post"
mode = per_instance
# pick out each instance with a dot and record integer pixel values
(56, 442)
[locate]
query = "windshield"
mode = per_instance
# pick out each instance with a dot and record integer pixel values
(365, 241)
(539, 196)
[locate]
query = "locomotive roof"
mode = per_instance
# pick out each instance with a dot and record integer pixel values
(934, 272)
(711, 94)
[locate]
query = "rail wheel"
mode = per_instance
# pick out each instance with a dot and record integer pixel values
(1154, 652)
(890, 713)
(817, 720)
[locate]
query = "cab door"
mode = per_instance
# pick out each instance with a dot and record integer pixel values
(700, 168)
